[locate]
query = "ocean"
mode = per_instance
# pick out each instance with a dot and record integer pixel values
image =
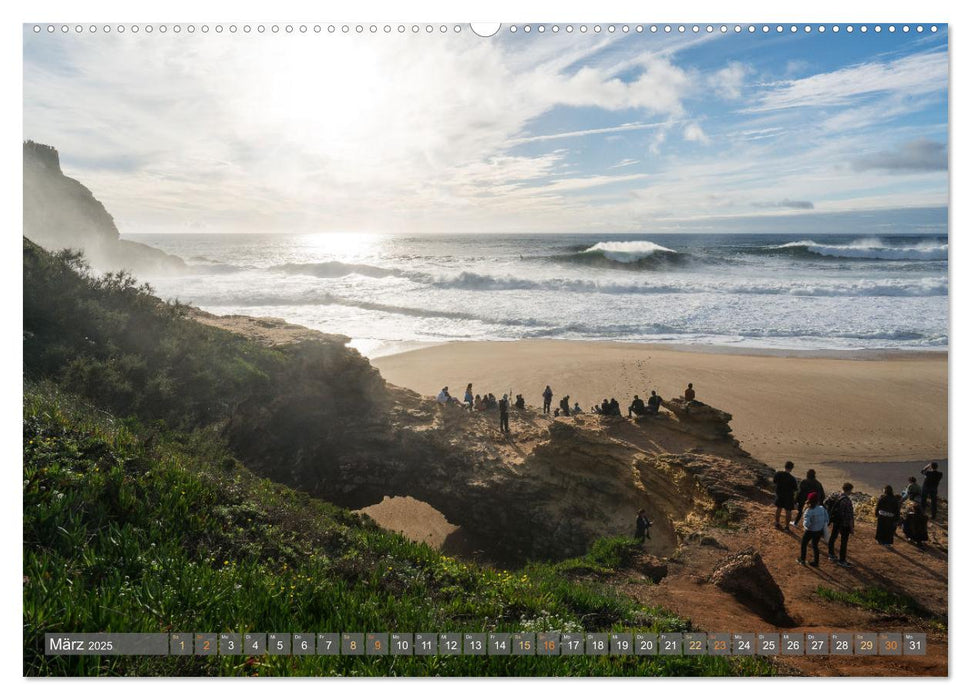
(390, 293)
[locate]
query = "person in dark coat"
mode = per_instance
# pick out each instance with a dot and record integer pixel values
(785, 493)
(504, 414)
(912, 491)
(605, 408)
(520, 402)
(932, 479)
(807, 486)
(888, 513)
(843, 521)
(915, 523)
(565, 405)
(637, 407)
(653, 403)
(643, 527)
(547, 398)
(614, 407)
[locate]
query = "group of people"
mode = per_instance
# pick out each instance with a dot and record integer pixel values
(836, 511)
(611, 407)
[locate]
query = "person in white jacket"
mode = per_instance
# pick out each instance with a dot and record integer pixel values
(814, 521)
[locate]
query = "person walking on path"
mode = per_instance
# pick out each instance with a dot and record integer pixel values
(547, 398)
(932, 479)
(842, 520)
(785, 494)
(504, 413)
(814, 522)
(807, 486)
(643, 527)
(888, 513)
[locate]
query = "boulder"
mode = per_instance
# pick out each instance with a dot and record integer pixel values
(746, 577)
(699, 418)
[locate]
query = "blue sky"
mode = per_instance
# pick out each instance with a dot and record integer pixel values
(768, 131)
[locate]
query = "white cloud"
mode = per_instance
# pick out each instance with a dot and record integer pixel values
(727, 82)
(694, 132)
(916, 74)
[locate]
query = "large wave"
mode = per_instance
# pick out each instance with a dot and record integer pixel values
(866, 249)
(645, 255)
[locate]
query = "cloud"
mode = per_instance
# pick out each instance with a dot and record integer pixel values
(913, 75)
(785, 204)
(727, 82)
(626, 162)
(693, 132)
(921, 155)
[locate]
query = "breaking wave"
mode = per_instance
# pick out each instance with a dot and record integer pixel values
(867, 249)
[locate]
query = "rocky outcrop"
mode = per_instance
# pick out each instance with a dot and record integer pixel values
(746, 577)
(60, 212)
(699, 418)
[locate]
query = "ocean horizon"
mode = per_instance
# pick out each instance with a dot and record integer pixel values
(393, 292)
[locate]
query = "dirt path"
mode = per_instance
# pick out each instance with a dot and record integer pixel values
(904, 569)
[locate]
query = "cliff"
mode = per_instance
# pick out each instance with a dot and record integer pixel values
(60, 212)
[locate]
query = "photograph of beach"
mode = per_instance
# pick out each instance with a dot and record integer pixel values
(564, 333)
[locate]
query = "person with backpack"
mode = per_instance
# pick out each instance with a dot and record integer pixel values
(841, 517)
(807, 486)
(504, 414)
(785, 494)
(888, 513)
(547, 398)
(932, 479)
(642, 529)
(814, 523)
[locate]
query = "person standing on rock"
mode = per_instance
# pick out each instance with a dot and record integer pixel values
(785, 494)
(888, 513)
(807, 486)
(932, 479)
(547, 398)
(814, 523)
(841, 517)
(504, 414)
(642, 529)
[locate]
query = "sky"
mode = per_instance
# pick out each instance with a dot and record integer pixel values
(788, 132)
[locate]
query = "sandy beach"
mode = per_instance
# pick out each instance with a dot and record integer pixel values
(870, 418)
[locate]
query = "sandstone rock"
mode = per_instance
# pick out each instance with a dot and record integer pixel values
(746, 577)
(699, 418)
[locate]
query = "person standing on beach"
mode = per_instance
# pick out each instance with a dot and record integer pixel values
(807, 486)
(814, 523)
(504, 414)
(841, 517)
(888, 513)
(547, 399)
(642, 529)
(785, 493)
(932, 479)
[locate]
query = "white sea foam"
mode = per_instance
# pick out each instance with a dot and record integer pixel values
(872, 249)
(627, 251)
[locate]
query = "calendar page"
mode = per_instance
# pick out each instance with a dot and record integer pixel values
(423, 348)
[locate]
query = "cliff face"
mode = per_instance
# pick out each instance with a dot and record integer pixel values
(60, 212)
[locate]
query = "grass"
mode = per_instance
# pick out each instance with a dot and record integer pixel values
(880, 600)
(135, 528)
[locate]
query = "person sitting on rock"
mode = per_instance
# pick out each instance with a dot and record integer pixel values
(614, 407)
(469, 400)
(637, 407)
(605, 408)
(576, 407)
(520, 402)
(642, 529)
(443, 396)
(477, 404)
(565, 405)
(689, 393)
(653, 403)
(491, 401)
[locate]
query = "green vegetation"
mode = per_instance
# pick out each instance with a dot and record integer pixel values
(879, 600)
(127, 528)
